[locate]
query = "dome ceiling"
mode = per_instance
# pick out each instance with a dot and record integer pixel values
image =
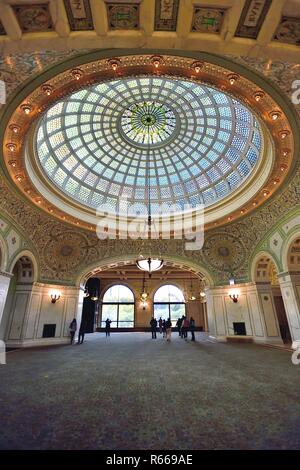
(184, 129)
(191, 143)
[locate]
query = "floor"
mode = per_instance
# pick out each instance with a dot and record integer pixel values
(131, 392)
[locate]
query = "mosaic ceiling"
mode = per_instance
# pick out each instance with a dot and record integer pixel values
(262, 21)
(184, 143)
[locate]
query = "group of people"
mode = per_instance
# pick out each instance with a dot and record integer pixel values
(165, 327)
(82, 330)
(73, 329)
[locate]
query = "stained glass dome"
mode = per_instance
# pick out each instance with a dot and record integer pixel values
(183, 143)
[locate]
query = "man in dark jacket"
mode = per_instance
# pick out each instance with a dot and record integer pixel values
(153, 324)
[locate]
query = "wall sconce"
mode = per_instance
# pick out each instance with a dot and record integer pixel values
(234, 296)
(144, 304)
(55, 296)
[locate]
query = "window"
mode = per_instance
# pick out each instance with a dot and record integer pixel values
(118, 306)
(169, 302)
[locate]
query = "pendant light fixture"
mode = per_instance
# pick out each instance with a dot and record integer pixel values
(147, 263)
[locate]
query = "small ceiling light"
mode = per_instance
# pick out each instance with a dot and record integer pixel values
(14, 128)
(197, 66)
(276, 181)
(39, 201)
(28, 191)
(26, 108)
(258, 95)
(12, 147)
(12, 163)
(274, 115)
(156, 60)
(76, 73)
(232, 77)
(265, 193)
(254, 203)
(114, 63)
(50, 210)
(19, 178)
(47, 89)
(285, 152)
(242, 211)
(283, 167)
(284, 134)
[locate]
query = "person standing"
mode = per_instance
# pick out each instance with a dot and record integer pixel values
(164, 330)
(153, 324)
(185, 328)
(169, 329)
(160, 324)
(178, 324)
(107, 327)
(192, 328)
(73, 328)
(81, 333)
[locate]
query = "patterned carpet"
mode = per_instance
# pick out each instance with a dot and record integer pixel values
(131, 392)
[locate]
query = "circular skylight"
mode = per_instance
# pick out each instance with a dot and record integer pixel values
(182, 143)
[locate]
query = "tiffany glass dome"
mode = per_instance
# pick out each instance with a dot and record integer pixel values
(179, 142)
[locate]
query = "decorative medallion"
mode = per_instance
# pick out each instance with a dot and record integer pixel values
(2, 30)
(207, 20)
(65, 251)
(288, 31)
(224, 252)
(123, 15)
(166, 12)
(252, 18)
(33, 18)
(79, 15)
(148, 122)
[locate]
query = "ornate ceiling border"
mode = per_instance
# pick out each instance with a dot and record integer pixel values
(247, 86)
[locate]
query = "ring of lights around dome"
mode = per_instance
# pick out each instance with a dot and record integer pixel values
(257, 188)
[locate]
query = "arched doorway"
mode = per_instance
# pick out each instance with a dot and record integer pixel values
(266, 272)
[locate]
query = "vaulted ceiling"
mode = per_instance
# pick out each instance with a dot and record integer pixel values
(254, 28)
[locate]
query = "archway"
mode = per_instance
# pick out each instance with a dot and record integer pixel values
(266, 272)
(115, 273)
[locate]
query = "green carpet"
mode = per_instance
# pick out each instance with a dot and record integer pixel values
(131, 392)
